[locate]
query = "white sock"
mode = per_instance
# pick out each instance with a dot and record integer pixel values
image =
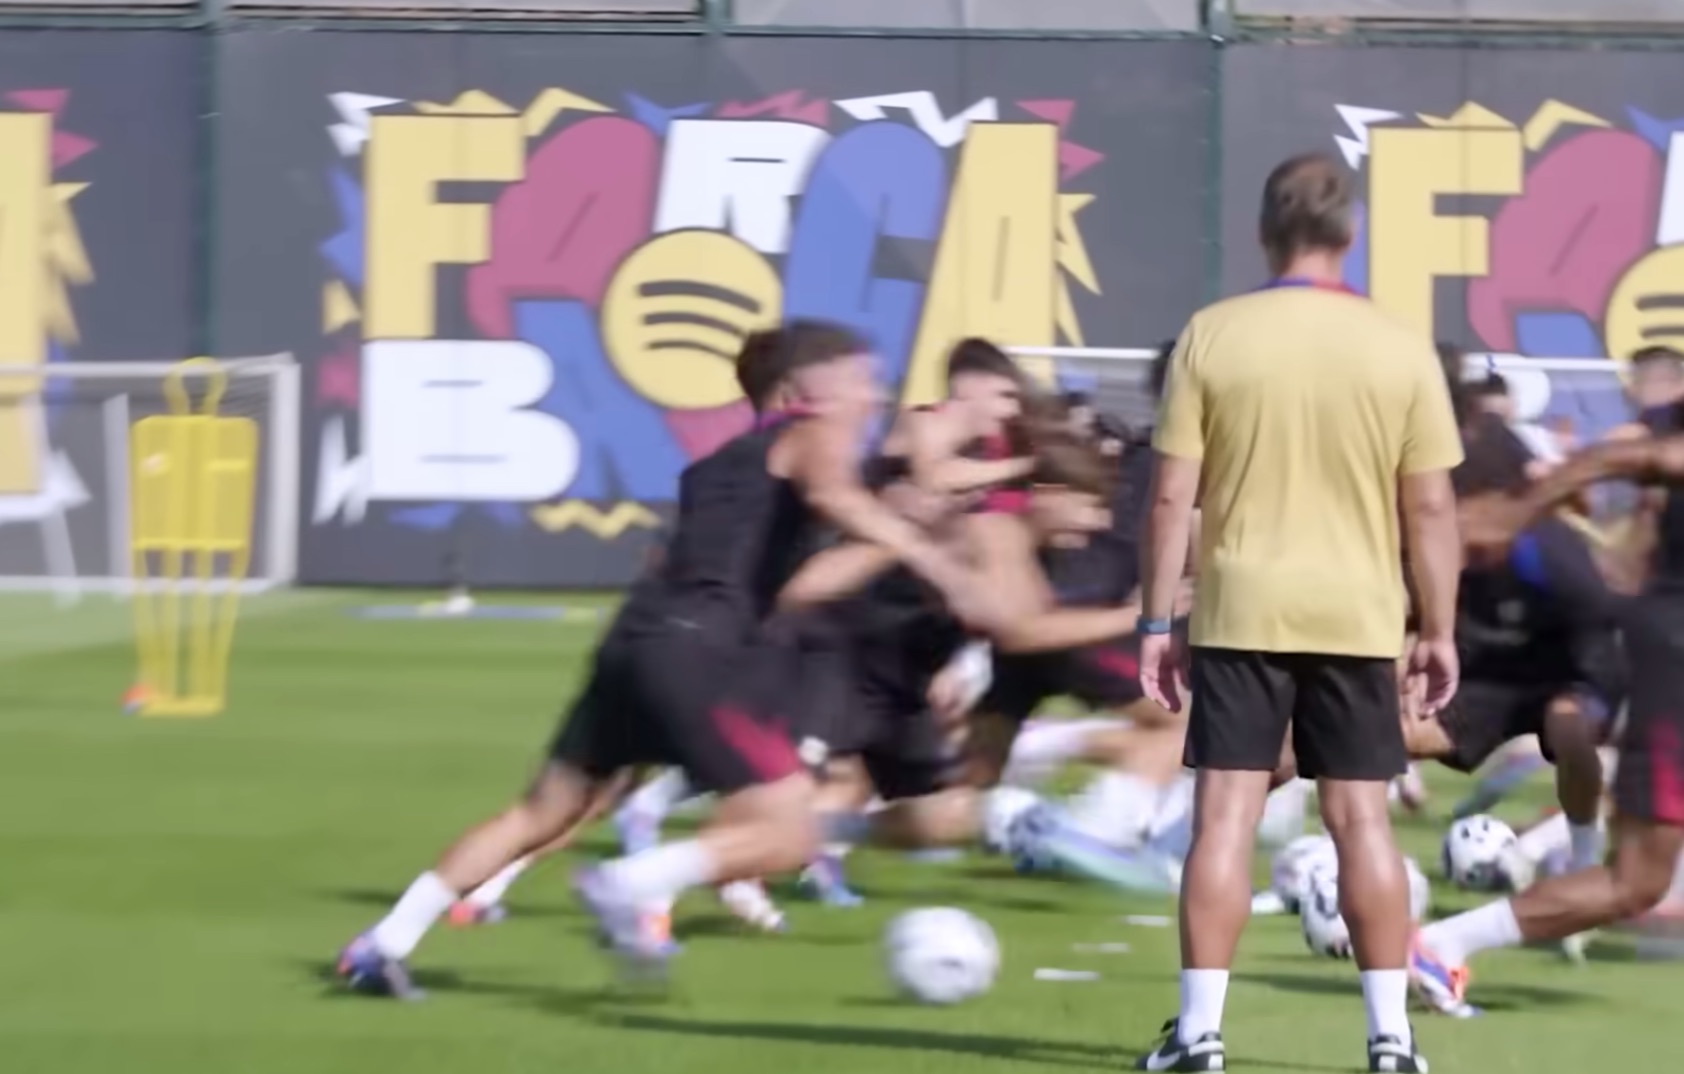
(1203, 994)
(402, 928)
(661, 873)
(1587, 845)
(1456, 939)
(1045, 746)
(1116, 808)
(1546, 838)
(492, 891)
(656, 798)
(1385, 995)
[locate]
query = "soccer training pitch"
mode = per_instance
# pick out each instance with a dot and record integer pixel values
(175, 891)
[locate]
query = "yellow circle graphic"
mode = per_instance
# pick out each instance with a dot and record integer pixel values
(1648, 298)
(677, 311)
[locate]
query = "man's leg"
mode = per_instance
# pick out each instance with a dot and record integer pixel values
(374, 962)
(1571, 737)
(1347, 734)
(1648, 831)
(1644, 855)
(1234, 734)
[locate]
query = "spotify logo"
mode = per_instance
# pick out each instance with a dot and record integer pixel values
(677, 311)
(1647, 306)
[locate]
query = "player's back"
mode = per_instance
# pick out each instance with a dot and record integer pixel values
(1305, 404)
(739, 534)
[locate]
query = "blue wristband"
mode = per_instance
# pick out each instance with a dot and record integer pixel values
(1155, 626)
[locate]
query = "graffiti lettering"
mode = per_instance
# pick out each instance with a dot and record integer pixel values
(25, 195)
(614, 276)
(448, 419)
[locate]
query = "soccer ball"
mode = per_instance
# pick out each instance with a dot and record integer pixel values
(941, 955)
(1003, 807)
(1026, 839)
(1481, 854)
(1290, 873)
(1325, 931)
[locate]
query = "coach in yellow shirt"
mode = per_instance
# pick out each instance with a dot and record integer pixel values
(1304, 420)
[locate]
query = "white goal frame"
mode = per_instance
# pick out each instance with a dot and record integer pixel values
(279, 460)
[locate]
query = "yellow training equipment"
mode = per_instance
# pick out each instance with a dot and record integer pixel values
(193, 480)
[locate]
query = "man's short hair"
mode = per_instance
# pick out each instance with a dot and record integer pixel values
(1306, 206)
(1656, 356)
(978, 356)
(769, 358)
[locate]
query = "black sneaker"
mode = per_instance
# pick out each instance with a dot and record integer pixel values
(1388, 1055)
(1206, 1053)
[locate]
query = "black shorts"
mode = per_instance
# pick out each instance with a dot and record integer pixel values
(885, 721)
(1105, 676)
(723, 713)
(1650, 782)
(1342, 712)
(1485, 714)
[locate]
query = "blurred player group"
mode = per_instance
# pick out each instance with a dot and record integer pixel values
(848, 635)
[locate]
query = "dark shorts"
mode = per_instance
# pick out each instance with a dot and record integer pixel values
(1103, 676)
(1342, 713)
(1484, 715)
(1650, 782)
(724, 714)
(885, 721)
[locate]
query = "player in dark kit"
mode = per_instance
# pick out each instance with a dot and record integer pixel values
(1648, 827)
(688, 673)
(1536, 635)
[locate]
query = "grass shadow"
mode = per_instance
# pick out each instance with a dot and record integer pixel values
(723, 925)
(1490, 997)
(379, 898)
(1011, 1049)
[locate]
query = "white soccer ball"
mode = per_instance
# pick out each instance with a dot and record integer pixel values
(1026, 839)
(1290, 873)
(1003, 807)
(1325, 931)
(1478, 854)
(940, 955)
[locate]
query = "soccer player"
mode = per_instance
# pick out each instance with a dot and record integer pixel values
(1305, 418)
(687, 674)
(1648, 827)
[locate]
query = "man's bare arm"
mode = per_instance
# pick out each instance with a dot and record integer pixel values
(1169, 526)
(823, 463)
(1434, 550)
(933, 443)
(1656, 460)
(835, 573)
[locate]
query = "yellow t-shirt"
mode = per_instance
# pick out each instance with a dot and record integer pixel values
(1305, 406)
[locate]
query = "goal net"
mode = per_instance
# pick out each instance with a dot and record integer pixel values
(70, 479)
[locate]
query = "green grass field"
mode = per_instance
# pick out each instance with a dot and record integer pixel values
(174, 892)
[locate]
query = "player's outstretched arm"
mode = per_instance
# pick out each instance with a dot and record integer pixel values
(822, 460)
(835, 573)
(1030, 620)
(1490, 524)
(932, 439)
